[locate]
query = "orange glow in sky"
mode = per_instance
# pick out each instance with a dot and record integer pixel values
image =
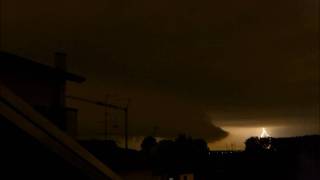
(238, 135)
(264, 133)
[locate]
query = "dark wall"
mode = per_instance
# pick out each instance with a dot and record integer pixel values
(41, 86)
(22, 157)
(35, 88)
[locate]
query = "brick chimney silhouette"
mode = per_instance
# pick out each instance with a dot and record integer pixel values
(59, 98)
(60, 61)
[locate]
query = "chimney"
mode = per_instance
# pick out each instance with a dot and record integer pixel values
(60, 60)
(59, 99)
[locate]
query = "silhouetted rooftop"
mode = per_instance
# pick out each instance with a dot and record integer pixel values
(12, 62)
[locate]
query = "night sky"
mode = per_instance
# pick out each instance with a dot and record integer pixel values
(211, 69)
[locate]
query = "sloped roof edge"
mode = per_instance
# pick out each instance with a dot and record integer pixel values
(10, 58)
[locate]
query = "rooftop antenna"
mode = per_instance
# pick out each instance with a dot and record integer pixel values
(155, 130)
(106, 118)
(108, 105)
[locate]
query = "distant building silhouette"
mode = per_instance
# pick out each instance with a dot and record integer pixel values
(42, 86)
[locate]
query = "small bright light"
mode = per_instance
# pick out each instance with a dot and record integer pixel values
(264, 133)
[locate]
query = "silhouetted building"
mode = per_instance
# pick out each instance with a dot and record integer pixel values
(32, 147)
(42, 86)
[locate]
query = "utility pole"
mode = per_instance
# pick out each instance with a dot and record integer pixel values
(317, 57)
(126, 134)
(318, 54)
(126, 124)
(155, 129)
(106, 118)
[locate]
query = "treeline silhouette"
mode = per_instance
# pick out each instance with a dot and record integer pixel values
(181, 154)
(263, 158)
(304, 144)
(284, 158)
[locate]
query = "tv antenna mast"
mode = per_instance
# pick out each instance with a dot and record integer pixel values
(108, 105)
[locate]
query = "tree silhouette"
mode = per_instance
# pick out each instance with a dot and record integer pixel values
(184, 153)
(255, 144)
(148, 143)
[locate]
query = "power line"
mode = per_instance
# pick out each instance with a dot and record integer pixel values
(98, 103)
(106, 104)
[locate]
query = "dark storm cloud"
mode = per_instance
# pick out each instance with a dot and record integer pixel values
(256, 58)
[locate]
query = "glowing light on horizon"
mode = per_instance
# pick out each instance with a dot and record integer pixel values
(264, 133)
